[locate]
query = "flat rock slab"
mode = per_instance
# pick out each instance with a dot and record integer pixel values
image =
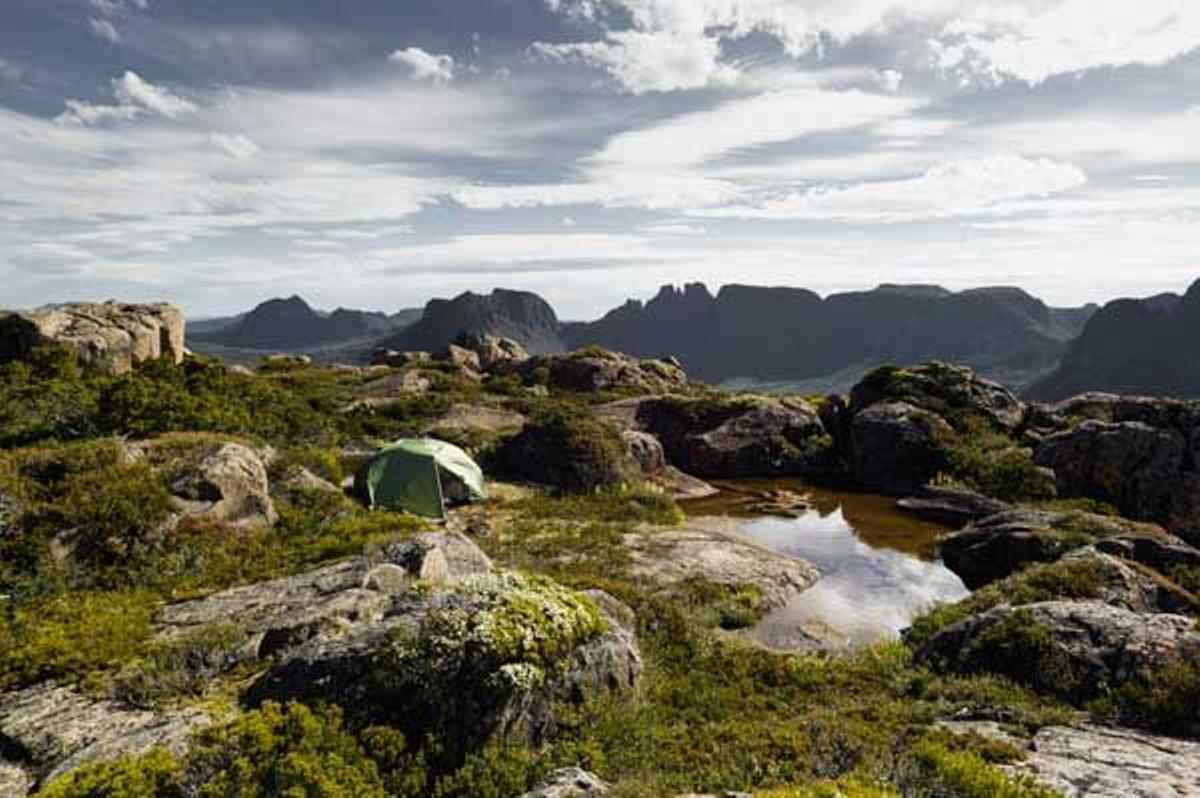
(477, 417)
(57, 728)
(1100, 762)
(711, 549)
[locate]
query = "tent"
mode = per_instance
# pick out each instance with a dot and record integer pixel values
(420, 475)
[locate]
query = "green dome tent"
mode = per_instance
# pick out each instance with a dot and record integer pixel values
(420, 475)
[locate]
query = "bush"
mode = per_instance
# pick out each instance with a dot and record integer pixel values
(156, 774)
(990, 463)
(69, 635)
(566, 448)
(184, 666)
(965, 774)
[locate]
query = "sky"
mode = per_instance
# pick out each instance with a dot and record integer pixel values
(377, 153)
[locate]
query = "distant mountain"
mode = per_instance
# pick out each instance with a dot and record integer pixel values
(791, 334)
(1148, 346)
(520, 315)
(292, 325)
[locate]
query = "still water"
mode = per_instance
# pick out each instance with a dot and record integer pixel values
(878, 565)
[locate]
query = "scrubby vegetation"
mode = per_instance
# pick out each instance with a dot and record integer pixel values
(91, 546)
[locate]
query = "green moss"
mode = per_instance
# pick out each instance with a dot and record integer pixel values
(1076, 578)
(634, 503)
(990, 463)
(966, 774)
(156, 774)
(1167, 699)
(182, 667)
(69, 635)
(1023, 650)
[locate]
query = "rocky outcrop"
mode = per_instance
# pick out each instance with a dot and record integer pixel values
(947, 390)
(720, 556)
(1072, 649)
(568, 783)
(517, 315)
(591, 370)
(1102, 762)
(998, 545)
(1150, 472)
(896, 447)
(731, 437)
(228, 485)
(55, 729)
(111, 337)
(951, 506)
(424, 634)
(494, 352)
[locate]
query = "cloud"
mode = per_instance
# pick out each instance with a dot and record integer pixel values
(105, 30)
(959, 188)
(651, 61)
(1029, 40)
(135, 97)
(236, 146)
(423, 65)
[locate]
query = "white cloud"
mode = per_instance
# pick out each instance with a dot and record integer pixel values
(236, 146)
(959, 188)
(673, 229)
(651, 61)
(568, 221)
(423, 65)
(1030, 40)
(135, 97)
(105, 30)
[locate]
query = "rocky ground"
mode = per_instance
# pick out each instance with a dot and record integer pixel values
(191, 603)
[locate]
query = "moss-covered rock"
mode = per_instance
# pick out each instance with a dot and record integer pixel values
(567, 449)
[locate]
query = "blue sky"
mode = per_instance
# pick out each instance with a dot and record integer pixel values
(375, 153)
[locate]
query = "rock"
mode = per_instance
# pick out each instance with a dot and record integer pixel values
(475, 418)
(718, 554)
(728, 438)
(1120, 583)
(951, 506)
(681, 486)
(112, 337)
(895, 447)
(238, 370)
(229, 485)
(996, 546)
(467, 361)
(942, 389)
(56, 729)
(645, 450)
(441, 662)
(1148, 472)
(1099, 762)
(302, 479)
(593, 369)
(568, 783)
(494, 352)
(398, 360)
(15, 781)
(1163, 553)
(414, 558)
(285, 360)
(1072, 649)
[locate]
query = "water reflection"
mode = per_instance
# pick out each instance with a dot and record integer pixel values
(877, 565)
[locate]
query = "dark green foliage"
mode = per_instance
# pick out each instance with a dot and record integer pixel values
(1025, 651)
(1080, 578)
(1168, 699)
(992, 464)
(566, 448)
(942, 770)
(184, 666)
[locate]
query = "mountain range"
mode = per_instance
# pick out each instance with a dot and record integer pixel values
(1144, 346)
(790, 337)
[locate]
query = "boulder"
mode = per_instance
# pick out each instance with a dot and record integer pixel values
(593, 369)
(1072, 649)
(466, 361)
(494, 352)
(895, 447)
(1101, 762)
(301, 479)
(285, 360)
(718, 554)
(112, 337)
(998, 545)
(951, 506)
(398, 360)
(721, 437)
(55, 729)
(949, 391)
(1148, 472)
(228, 485)
(15, 781)
(568, 783)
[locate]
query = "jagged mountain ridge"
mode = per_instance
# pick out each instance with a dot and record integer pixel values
(520, 315)
(794, 334)
(1146, 346)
